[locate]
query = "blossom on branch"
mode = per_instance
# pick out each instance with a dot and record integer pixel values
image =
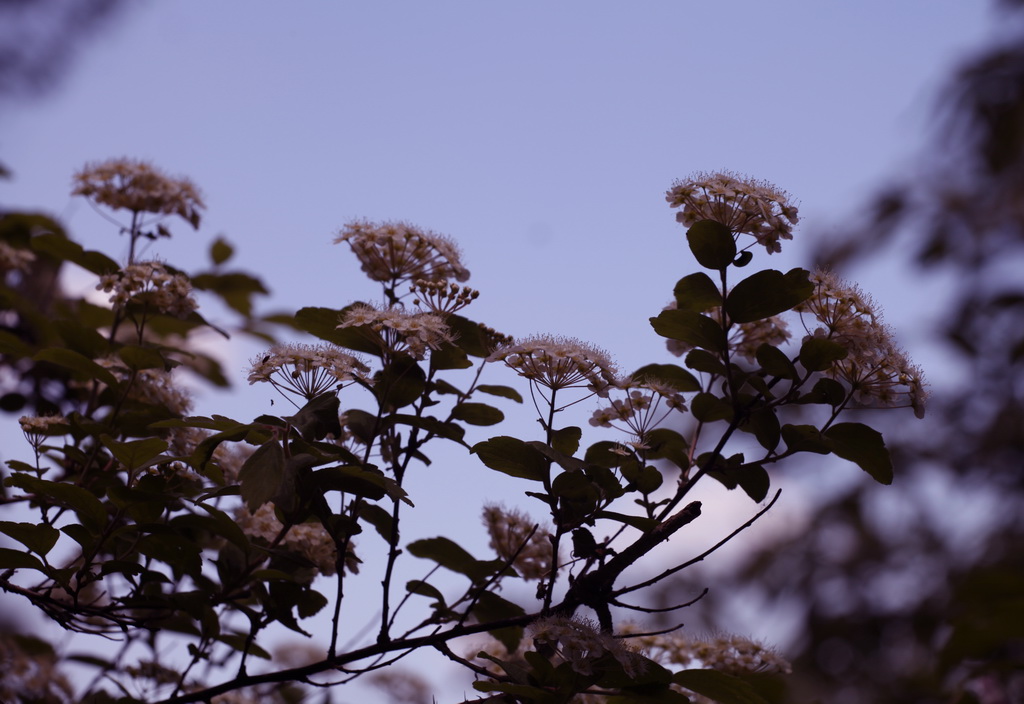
(138, 187)
(641, 409)
(149, 283)
(394, 330)
(306, 370)
(516, 538)
(310, 541)
(559, 363)
(746, 206)
(877, 370)
(392, 252)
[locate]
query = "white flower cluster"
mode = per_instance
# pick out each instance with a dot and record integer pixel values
(559, 363)
(153, 386)
(744, 205)
(138, 187)
(38, 428)
(308, 540)
(149, 283)
(640, 409)
(14, 259)
(392, 252)
(877, 370)
(744, 338)
(581, 644)
(726, 653)
(394, 330)
(512, 534)
(306, 370)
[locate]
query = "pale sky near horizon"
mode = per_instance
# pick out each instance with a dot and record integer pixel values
(540, 136)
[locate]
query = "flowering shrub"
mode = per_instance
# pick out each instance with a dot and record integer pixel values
(189, 538)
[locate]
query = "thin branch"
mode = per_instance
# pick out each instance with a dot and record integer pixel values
(713, 548)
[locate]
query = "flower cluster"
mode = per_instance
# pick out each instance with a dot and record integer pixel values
(149, 283)
(559, 363)
(38, 428)
(138, 187)
(725, 653)
(744, 205)
(515, 537)
(877, 370)
(306, 370)
(640, 410)
(440, 297)
(152, 386)
(14, 259)
(581, 644)
(307, 540)
(394, 330)
(392, 252)
(744, 338)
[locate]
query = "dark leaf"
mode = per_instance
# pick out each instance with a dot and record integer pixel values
(697, 293)
(767, 293)
(864, 446)
(712, 244)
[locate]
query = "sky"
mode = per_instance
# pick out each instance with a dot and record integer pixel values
(540, 136)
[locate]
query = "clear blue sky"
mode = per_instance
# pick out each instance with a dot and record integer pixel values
(541, 136)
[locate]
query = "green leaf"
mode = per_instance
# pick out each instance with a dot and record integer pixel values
(351, 480)
(825, 391)
(489, 608)
(469, 336)
(864, 446)
(452, 556)
(323, 323)
(136, 357)
(39, 538)
(767, 293)
(449, 356)
(722, 688)
(671, 374)
(15, 559)
(712, 244)
(220, 251)
(818, 353)
(704, 361)
(753, 479)
(764, 425)
(89, 509)
(84, 368)
(638, 522)
(318, 418)
(692, 328)
(399, 383)
(774, 362)
(644, 479)
(262, 474)
(708, 408)
(668, 444)
(57, 245)
(566, 440)
(134, 454)
(447, 430)
(503, 391)
(512, 456)
(477, 414)
(697, 293)
(804, 438)
(377, 517)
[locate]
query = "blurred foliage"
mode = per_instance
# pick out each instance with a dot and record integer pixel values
(39, 39)
(918, 595)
